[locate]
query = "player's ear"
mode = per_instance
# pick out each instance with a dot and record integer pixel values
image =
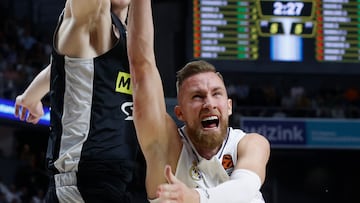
(178, 113)
(230, 107)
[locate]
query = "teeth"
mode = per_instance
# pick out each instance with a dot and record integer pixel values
(210, 118)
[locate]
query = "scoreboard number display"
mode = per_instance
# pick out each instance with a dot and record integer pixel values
(275, 30)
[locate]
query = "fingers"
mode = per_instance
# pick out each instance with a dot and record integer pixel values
(17, 106)
(23, 113)
(167, 173)
(30, 113)
(32, 119)
(16, 112)
(20, 110)
(167, 192)
(170, 177)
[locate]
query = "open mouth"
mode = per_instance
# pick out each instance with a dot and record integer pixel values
(210, 122)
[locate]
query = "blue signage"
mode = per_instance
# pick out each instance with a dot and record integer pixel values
(336, 133)
(278, 132)
(306, 133)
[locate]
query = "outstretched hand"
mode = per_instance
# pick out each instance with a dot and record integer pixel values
(30, 113)
(176, 191)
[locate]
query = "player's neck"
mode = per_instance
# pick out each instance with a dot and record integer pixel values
(207, 153)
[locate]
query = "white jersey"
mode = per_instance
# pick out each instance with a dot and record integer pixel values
(197, 172)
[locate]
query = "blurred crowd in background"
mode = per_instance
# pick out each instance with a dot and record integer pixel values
(295, 100)
(23, 53)
(30, 179)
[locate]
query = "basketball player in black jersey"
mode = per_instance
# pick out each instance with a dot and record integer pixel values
(92, 154)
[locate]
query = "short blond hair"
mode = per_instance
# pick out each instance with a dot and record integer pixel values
(193, 68)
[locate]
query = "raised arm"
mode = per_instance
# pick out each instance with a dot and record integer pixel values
(30, 100)
(154, 127)
(86, 12)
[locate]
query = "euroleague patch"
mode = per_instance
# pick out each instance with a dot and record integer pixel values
(227, 162)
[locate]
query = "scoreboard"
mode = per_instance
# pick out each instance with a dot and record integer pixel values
(315, 31)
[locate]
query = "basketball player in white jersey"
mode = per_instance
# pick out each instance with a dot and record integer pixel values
(211, 161)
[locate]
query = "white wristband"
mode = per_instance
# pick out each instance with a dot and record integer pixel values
(241, 188)
(204, 195)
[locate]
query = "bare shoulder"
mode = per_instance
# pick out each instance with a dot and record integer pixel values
(254, 141)
(256, 137)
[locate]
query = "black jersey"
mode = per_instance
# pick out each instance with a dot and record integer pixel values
(92, 137)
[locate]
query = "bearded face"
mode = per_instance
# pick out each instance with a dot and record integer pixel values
(208, 139)
(205, 109)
